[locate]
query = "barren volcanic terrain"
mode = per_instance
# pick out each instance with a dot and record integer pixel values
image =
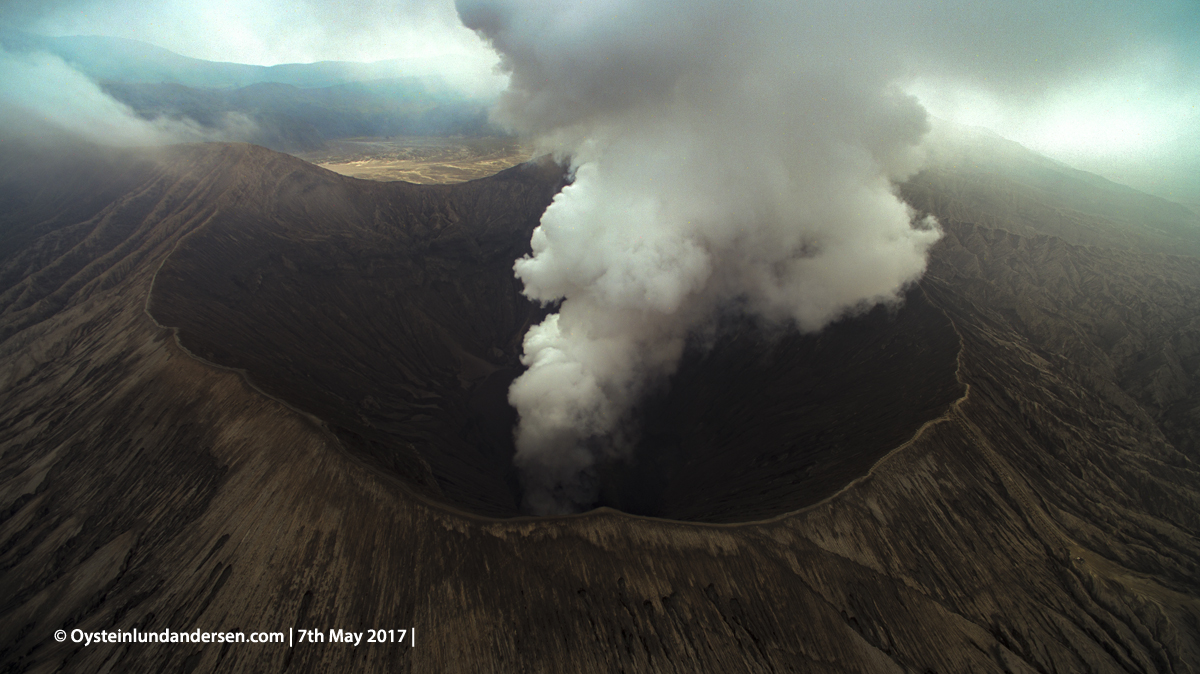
(417, 159)
(242, 392)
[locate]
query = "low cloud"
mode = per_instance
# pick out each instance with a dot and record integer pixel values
(40, 91)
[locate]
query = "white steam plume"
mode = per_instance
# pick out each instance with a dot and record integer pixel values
(722, 154)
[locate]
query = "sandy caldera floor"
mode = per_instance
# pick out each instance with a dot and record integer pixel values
(419, 159)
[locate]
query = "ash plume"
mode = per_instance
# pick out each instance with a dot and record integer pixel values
(722, 155)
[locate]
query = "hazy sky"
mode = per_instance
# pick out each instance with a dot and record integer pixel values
(264, 32)
(1107, 85)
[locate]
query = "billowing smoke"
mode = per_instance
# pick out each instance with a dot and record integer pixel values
(41, 92)
(723, 155)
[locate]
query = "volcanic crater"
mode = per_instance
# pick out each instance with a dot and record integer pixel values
(1046, 522)
(389, 313)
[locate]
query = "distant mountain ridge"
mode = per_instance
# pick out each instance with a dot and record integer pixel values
(289, 108)
(288, 118)
(132, 61)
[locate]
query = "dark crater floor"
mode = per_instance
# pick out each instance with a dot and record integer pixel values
(390, 312)
(761, 424)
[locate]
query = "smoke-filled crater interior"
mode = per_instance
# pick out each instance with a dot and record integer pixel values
(404, 345)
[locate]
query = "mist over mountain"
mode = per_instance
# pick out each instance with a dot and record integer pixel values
(981, 176)
(294, 119)
(134, 62)
(147, 95)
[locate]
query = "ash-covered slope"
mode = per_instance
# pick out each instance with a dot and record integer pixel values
(975, 175)
(1042, 518)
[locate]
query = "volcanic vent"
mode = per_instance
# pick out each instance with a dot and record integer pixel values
(389, 312)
